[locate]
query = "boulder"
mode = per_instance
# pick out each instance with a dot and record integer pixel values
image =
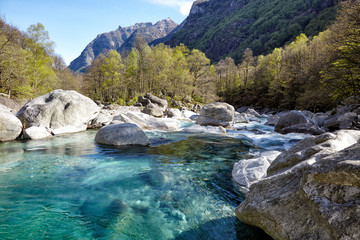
(103, 118)
(216, 114)
(62, 111)
(35, 133)
(313, 194)
(13, 105)
(121, 134)
(196, 108)
(173, 113)
(295, 121)
(289, 119)
(307, 128)
(144, 101)
(147, 122)
(153, 110)
(241, 118)
(248, 171)
(186, 114)
(341, 121)
(162, 103)
(272, 120)
(10, 126)
(252, 112)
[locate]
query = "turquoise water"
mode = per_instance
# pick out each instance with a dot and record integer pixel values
(71, 188)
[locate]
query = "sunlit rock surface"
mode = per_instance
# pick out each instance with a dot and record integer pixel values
(62, 111)
(121, 134)
(312, 191)
(10, 126)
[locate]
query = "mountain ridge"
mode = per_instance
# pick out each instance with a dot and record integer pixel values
(114, 40)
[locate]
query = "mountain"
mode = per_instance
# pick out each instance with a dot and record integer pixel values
(227, 27)
(121, 40)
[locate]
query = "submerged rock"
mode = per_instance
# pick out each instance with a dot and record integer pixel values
(62, 111)
(10, 126)
(312, 191)
(216, 114)
(121, 134)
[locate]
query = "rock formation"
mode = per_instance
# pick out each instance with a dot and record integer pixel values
(312, 191)
(216, 114)
(121, 134)
(121, 39)
(61, 111)
(10, 126)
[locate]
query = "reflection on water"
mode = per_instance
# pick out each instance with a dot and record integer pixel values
(71, 188)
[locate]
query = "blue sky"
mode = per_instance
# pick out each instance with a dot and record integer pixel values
(73, 24)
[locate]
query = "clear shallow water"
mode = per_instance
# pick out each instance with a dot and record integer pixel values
(179, 188)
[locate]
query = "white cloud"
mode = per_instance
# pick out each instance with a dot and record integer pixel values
(184, 6)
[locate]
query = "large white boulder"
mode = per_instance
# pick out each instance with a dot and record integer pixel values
(121, 134)
(35, 133)
(10, 126)
(62, 111)
(147, 122)
(248, 171)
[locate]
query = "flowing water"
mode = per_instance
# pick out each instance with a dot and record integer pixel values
(179, 188)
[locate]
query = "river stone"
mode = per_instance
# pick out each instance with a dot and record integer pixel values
(153, 110)
(173, 113)
(314, 197)
(35, 133)
(121, 134)
(289, 119)
(241, 118)
(272, 120)
(248, 171)
(62, 111)
(216, 114)
(341, 121)
(10, 126)
(314, 148)
(162, 103)
(147, 122)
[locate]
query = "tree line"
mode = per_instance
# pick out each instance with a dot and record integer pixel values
(310, 73)
(176, 73)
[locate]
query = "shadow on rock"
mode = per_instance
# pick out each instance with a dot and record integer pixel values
(224, 228)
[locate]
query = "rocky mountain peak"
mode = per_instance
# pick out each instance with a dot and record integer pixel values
(121, 39)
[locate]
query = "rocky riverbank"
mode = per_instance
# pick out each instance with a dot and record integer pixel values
(310, 191)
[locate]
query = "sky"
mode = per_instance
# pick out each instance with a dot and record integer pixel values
(74, 24)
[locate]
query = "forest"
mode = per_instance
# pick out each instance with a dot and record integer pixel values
(313, 73)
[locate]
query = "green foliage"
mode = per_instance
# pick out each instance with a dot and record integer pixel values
(27, 62)
(161, 70)
(260, 25)
(311, 74)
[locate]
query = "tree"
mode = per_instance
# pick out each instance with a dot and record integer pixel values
(39, 71)
(343, 74)
(112, 71)
(199, 65)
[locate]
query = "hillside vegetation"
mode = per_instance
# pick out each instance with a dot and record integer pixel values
(313, 73)
(28, 65)
(226, 28)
